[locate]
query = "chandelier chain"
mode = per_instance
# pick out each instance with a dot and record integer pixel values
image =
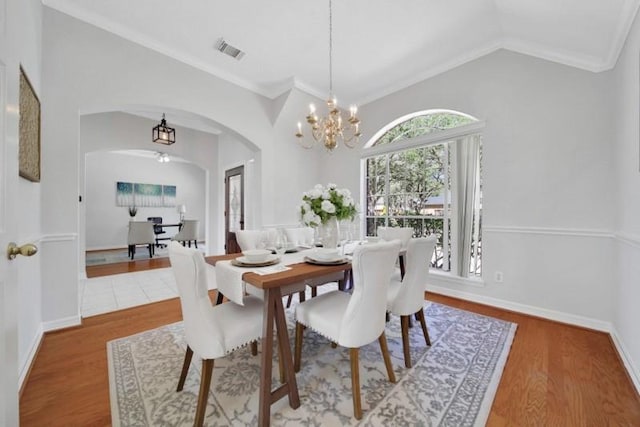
(330, 50)
(331, 129)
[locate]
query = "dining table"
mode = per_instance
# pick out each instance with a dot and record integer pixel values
(271, 281)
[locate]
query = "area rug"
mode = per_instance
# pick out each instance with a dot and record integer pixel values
(452, 383)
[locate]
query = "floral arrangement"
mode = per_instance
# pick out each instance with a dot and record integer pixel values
(321, 204)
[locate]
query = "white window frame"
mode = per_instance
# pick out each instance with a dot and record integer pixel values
(439, 137)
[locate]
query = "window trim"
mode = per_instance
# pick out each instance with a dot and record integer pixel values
(421, 141)
(439, 137)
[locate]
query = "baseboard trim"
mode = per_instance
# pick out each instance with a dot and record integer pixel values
(623, 353)
(557, 316)
(25, 369)
(66, 322)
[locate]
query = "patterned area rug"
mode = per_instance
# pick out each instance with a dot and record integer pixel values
(452, 383)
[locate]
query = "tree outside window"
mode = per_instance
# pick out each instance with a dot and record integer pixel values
(418, 187)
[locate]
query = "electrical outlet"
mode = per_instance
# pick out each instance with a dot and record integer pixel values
(499, 277)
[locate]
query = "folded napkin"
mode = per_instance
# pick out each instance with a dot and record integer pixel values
(229, 277)
(271, 270)
(229, 281)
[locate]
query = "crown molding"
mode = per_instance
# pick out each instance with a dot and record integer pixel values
(584, 62)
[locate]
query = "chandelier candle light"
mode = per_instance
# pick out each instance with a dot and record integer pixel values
(331, 129)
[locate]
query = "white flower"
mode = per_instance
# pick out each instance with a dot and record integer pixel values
(328, 207)
(318, 187)
(331, 186)
(326, 195)
(306, 207)
(347, 201)
(316, 193)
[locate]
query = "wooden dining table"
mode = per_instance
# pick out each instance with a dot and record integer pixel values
(274, 314)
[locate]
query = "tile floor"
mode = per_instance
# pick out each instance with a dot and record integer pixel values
(109, 293)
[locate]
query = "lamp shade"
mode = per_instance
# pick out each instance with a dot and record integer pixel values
(163, 134)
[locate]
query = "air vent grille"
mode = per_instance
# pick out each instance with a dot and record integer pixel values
(227, 49)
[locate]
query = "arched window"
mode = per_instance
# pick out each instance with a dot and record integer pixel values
(423, 171)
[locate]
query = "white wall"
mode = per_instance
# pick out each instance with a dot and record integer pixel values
(547, 179)
(626, 211)
(104, 132)
(107, 223)
(88, 70)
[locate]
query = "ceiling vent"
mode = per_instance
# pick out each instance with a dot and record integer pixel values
(226, 48)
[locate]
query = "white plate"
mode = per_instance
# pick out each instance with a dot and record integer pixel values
(312, 256)
(338, 261)
(267, 260)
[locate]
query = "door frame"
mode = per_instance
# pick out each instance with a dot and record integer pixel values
(230, 244)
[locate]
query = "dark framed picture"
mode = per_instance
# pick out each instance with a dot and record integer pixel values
(29, 143)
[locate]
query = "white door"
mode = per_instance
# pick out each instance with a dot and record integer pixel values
(9, 87)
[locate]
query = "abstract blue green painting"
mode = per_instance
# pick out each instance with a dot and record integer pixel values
(145, 195)
(169, 195)
(124, 194)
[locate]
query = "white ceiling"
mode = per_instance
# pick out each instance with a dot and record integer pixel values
(379, 46)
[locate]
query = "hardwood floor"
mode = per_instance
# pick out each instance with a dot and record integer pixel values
(556, 374)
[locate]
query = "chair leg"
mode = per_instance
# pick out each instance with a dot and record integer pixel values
(289, 298)
(385, 355)
(185, 368)
(205, 385)
(302, 296)
(298, 347)
(423, 322)
(254, 348)
(314, 292)
(195, 242)
(404, 323)
(150, 251)
(355, 383)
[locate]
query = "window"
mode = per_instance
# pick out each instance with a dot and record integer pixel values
(424, 172)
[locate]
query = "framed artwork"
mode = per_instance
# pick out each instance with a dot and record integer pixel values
(29, 143)
(145, 195)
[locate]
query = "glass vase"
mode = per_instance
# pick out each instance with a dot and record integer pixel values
(329, 233)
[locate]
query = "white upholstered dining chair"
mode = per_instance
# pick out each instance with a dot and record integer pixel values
(396, 233)
(303, 236)
(353, 320)
(211, 331)
(188, 232)
(403, 234)
(141, 233)
(405, 298)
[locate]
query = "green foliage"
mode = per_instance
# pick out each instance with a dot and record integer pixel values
(422, 125)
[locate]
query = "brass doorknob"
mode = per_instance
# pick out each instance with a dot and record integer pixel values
(14, 250)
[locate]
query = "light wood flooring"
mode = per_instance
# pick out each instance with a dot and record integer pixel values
(556, 374)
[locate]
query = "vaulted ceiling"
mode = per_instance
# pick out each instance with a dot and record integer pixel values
(379, 46)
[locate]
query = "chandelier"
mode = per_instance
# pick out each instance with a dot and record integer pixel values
(332, 129)
(163, 134)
